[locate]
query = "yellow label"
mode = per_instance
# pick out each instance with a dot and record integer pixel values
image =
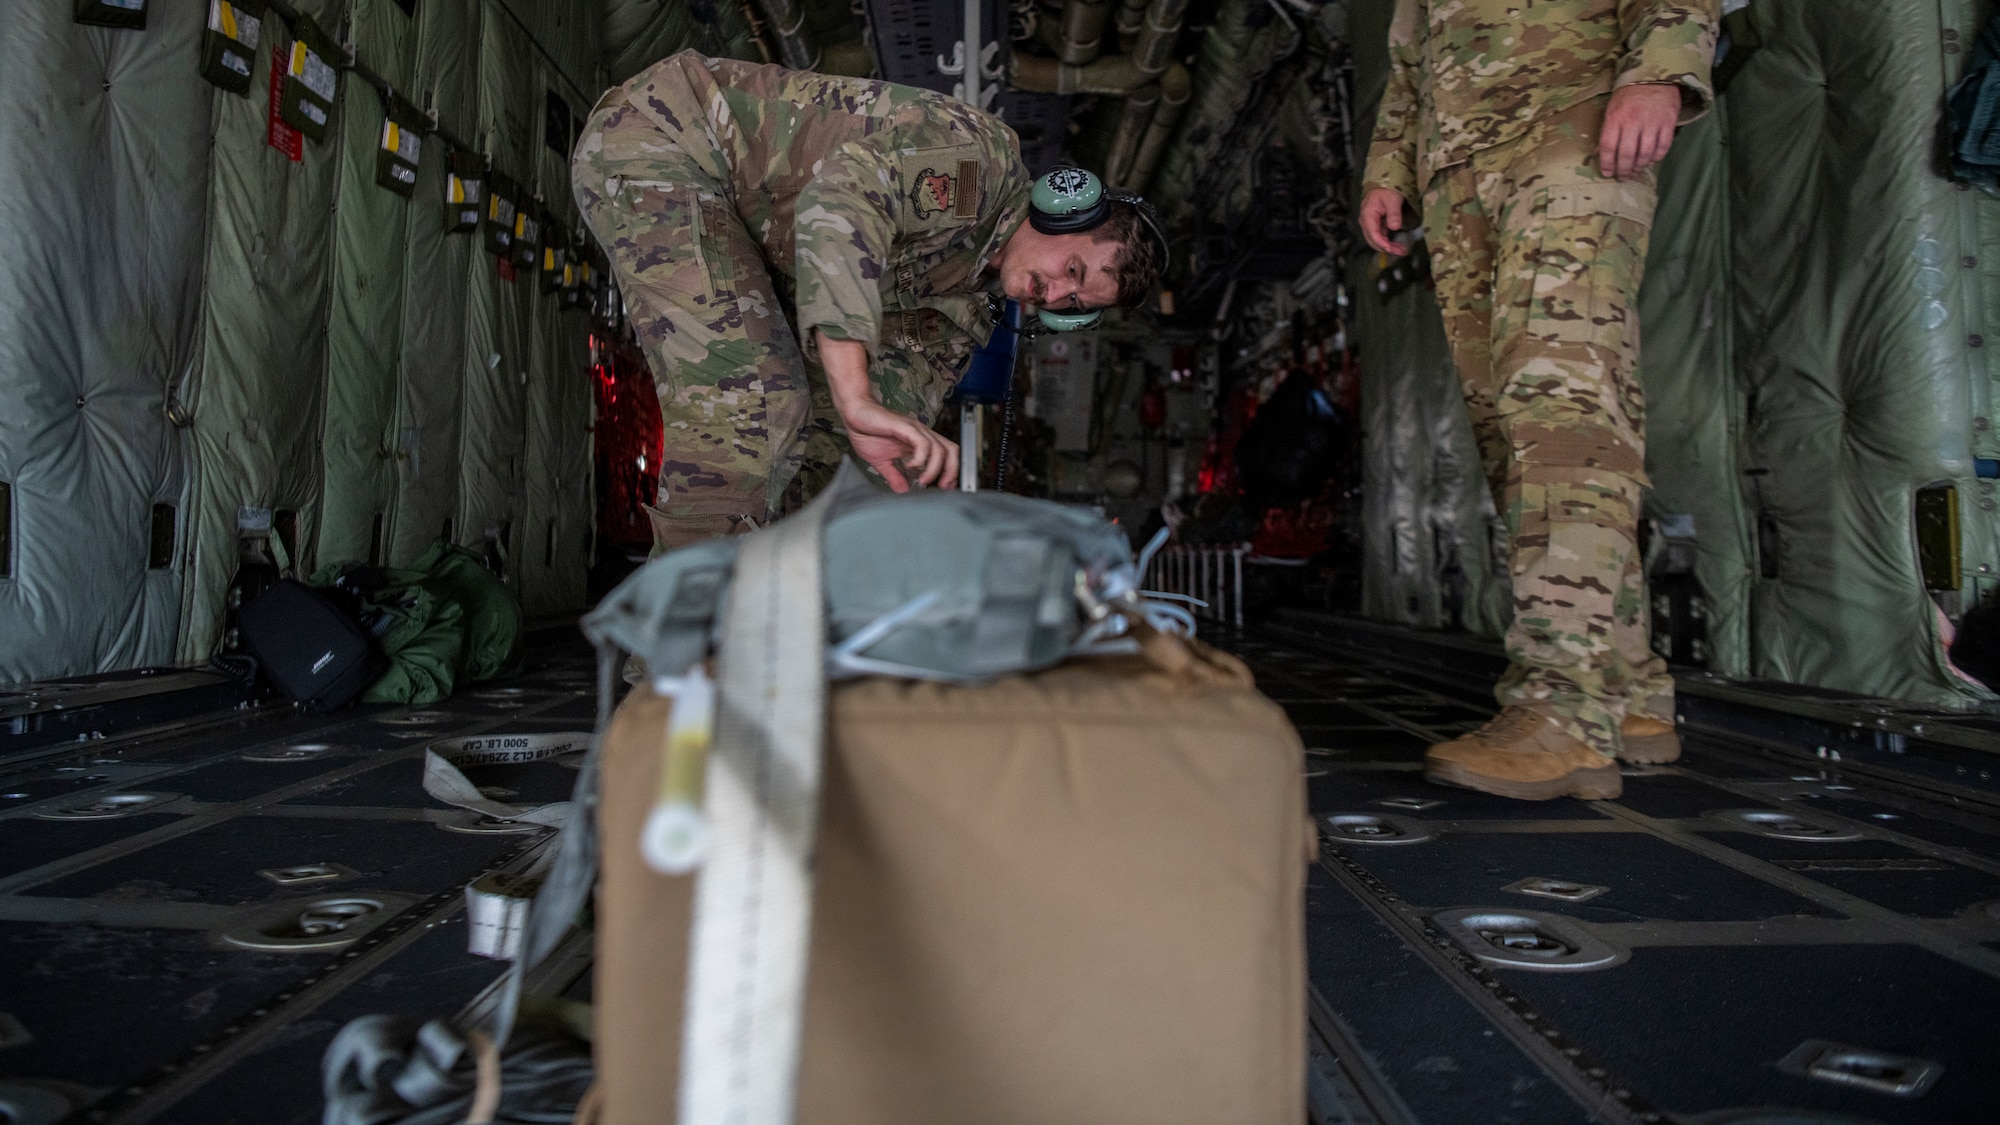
(520, 223)
(549, 259)
(569, 274)
(456, 192)
(228, 20)
(392, 135)
(298, 67)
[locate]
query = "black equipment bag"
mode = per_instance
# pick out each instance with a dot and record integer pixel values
(311, 648)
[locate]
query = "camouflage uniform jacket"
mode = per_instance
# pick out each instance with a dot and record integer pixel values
(876, 206)
(1465, 75)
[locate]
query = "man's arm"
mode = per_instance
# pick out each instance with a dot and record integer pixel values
(895, 444)
(1663, 81)
(1671, 42)
(1391, 174)
(845, 225)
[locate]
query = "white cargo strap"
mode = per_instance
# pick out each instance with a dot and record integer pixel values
(443, 780)
(496, 913)
(753, 897)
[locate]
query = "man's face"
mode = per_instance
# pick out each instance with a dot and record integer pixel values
(1063, 272)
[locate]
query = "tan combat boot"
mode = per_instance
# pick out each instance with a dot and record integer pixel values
(1648, 741)
(1523, 753)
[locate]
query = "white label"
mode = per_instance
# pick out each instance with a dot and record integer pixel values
(127, 5)
(236, 62)
(228, 20)
(319, 78)
(312, 111)
(322, 662)
(405, 144)
(402, 173)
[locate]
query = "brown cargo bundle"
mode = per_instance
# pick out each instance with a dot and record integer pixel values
(1067, 896)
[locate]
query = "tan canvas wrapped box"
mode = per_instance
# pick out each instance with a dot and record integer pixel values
(1073, 896)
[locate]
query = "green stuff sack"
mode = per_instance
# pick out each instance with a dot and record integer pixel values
(443, 623)
(493, 619)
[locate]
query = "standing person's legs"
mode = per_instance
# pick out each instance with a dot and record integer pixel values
(733, 388)
(1459, 231)
(1568, 263)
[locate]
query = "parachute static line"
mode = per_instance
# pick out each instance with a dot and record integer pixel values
(675, 836)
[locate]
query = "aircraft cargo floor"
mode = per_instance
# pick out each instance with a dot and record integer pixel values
(1798, 922)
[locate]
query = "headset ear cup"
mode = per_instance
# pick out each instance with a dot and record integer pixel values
(1068, 321)
(1068, 201)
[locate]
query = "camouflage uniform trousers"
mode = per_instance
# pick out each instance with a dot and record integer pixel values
(732, 382)
(1538, 260)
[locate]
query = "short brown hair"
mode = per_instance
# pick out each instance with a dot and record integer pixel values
(1137, 263)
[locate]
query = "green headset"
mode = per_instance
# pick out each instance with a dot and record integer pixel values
(1072, 201)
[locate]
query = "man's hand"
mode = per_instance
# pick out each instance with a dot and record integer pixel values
(1381, 217)
(896, 445)
(1638, 128)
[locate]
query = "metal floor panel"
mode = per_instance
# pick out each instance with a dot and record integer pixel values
(123, 963)
(1742, 920)
(1793, 920)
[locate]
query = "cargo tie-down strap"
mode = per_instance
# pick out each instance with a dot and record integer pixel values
(753, 898)
(444, 781)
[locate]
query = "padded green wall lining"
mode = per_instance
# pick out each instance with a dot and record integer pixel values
(364, 326)
(1429, 527)
(1694, 405)
(492, 495)
(257, 393)
(336, 353)
(436, 285)
(102, 212)
(1854, 328)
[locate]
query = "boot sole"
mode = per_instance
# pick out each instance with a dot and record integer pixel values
(1595, 783)
(1652, 749)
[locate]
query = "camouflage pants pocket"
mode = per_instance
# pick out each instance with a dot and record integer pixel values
(1582, 327)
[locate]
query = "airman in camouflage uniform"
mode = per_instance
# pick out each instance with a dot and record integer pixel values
(744, 208)
(1491, 127)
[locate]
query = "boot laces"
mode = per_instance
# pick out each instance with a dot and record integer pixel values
(1511, 722)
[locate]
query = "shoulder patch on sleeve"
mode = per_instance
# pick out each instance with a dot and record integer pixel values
(940, 185)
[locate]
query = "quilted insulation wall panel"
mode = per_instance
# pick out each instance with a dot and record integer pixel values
(257, 393)
(1430, 529)
(557, 539)
(437, 282)
(1859, 334)
(324, 350)
(1429, 526)
(492, 492)
(1694, 403)
(102, 207)
(364, 336)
